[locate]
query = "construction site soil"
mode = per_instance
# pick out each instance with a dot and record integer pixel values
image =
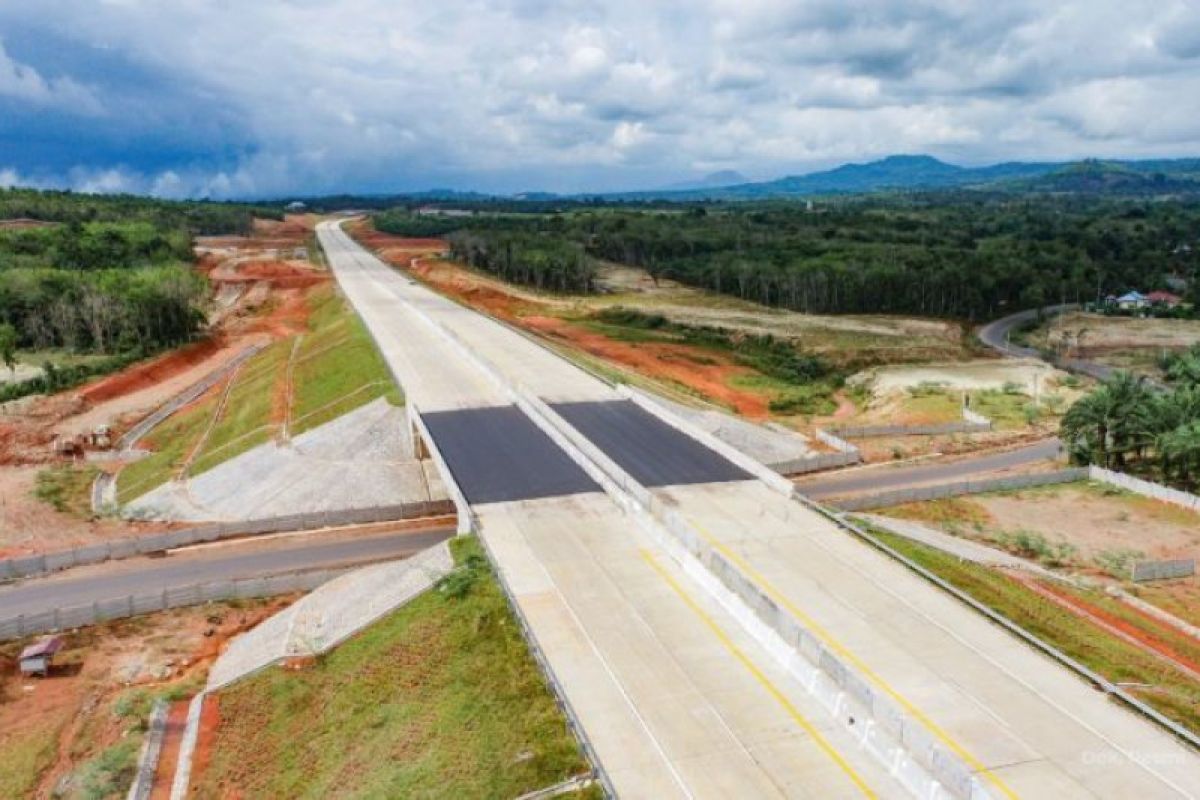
(57, 731)
(265, 299)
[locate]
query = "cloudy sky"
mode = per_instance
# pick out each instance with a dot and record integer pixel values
(232, 98)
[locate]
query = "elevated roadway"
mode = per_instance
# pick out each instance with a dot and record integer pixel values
(643, 644)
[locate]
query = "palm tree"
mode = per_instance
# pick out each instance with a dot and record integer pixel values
(1114, 420)
(1181, 448)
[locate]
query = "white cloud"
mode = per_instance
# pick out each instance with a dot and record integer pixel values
(519, 94)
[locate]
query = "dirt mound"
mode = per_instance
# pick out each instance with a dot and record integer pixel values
(280, 274)
(705, 373)
(292, 225)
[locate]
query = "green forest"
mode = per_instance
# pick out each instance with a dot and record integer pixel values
(968, 255)
(105, 276)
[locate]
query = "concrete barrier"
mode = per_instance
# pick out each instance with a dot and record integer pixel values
(1145, 488)
(46, 563)
(1144, 571)
(79, 616)
(918, 494)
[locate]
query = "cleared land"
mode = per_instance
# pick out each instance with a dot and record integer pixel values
(1087, 526)
(1155, 662)
(77, 734)
(440, 699)
(1025, 400)
(1125, 342)
(293, 385)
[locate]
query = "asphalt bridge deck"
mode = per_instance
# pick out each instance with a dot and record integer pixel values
(498, 454)
(650, 450)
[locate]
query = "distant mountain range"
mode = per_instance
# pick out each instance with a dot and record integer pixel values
(903, 173)
(916, 172)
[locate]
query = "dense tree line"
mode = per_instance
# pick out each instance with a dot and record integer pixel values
(551, 264)
(196, 217)
(102, 311)
(963, 254)
(105, 275)
(94, 245)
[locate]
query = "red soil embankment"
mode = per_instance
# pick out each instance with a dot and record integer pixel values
(706, 373)
(141, 376)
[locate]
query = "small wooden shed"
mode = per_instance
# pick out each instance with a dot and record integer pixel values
(36, 659)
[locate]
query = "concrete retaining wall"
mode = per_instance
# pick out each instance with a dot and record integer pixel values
(872, 431)
(919, 494)
(457, 498)
(331, 614)
(44, 564)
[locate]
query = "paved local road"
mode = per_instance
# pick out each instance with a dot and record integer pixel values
(248, 559)
(996, 336)
(996, 333)
(878, 479)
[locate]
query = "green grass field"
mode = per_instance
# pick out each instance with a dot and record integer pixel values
(1155, 681)
(441, 699)
(336, 369)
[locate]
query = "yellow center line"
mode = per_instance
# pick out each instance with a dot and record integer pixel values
(758, 674)
(831, 642)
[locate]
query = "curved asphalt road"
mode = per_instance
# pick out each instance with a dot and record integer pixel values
(241, 559)
(996, 333)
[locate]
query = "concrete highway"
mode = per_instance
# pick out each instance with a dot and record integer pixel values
(669, 686)
(675, 697)
(249, 558)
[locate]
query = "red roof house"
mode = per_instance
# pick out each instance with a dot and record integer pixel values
(1161, 298)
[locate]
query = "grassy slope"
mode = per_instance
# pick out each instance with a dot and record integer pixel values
(440, 699)
(1171, 692)
(334, 360)
(337, 369)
